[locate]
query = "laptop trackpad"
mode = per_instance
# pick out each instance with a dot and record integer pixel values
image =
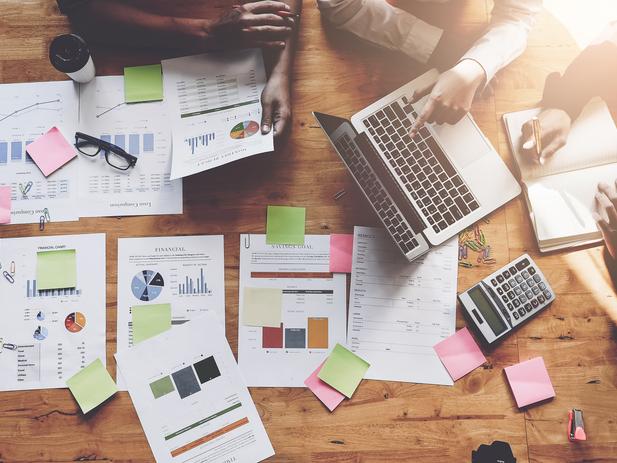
(463, 142)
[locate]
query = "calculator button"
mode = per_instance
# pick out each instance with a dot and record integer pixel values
(535, 290)
(524, 286)
(541, 299)
(530, 282)
(528, 307)
(506, 274)
(504, 298)
(506, 287)
(532, 271)
(516, 315)
(537, 278)
(535, 303)
(525, 274)
(516, 303)
(542, 286)
(519, 279)
(522, 264)
(522, 298)
(511, 282)
(494, 282)
(511, 295)
(518, 291)
(500, 291)
(522, 312)
(510, 307)
(547, 295)
(513, 270)
(499, 278)
(529, 294)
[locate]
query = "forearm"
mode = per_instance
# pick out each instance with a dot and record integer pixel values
(281, 62)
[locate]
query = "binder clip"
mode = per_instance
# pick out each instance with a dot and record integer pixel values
(576, 428)
(497, 452)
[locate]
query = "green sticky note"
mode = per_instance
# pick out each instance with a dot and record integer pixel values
(262, 307)
(150, 320)
(143, 83)
(56, 269)
(285, 225)
(162, 387)
(343, 370)
(92, 386)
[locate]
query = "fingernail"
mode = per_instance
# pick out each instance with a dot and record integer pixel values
(265, 128)
(528, 145)
(541, 161)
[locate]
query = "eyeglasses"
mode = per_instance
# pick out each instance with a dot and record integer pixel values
(115, 156)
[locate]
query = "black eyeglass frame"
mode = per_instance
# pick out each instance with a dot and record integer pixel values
(106, 147)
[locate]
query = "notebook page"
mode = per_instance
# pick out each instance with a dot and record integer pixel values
(592, 142)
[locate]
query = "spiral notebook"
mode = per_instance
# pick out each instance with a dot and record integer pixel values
(560, 194)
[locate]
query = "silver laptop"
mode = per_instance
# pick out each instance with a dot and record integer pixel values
(427, 189)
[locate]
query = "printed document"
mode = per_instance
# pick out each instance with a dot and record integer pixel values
(399, 310)
(191, 398)
(214, 102)
(56, 332)
(187, 272)
(313, 310)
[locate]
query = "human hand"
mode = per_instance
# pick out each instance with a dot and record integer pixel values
(256, 24)
(276, 105)
(606, 215)
(555, 126)
(451, 96)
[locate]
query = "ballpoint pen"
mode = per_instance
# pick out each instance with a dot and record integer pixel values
(537, 134)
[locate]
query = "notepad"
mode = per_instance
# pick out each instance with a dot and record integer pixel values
(262, 307)
(92, 386)
(329, 396)
(343, 370)
(530, 382)
(143, 83)
(5, 204)
(285, 225)
(51, 151)
(56, 269)
(150, 320)
(341, 250)
(460, 354)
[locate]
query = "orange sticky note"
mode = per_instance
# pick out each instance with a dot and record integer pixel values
(51, 151)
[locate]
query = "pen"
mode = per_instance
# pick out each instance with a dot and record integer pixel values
(288, 14)
(535, 123)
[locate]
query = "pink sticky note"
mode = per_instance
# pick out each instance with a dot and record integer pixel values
(330, 397)
(51, 151)
(5, 204)
(530, 382)
(459, 354)
(341, 248)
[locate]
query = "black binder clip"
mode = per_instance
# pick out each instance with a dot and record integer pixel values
(576, 427)
(497, 452)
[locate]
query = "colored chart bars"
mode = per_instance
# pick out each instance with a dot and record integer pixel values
(296, 338)
(32, 292)
(137, 143)
(14, 151)
(190, 286)
(200, 140)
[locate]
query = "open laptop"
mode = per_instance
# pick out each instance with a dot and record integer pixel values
(427, 189)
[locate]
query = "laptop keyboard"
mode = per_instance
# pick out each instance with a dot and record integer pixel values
(390, 215)
(422, 166)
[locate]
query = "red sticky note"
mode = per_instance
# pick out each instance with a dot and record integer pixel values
(51, 151)
(5, 204)
(341, 249)
(530, 382)
(459, 354)
(330, 397)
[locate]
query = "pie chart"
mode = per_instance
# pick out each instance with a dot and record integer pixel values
(75, 322)
(40, 334)
(147, 285)
(244, 130)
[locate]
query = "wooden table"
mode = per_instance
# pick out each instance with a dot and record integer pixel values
(385, 421)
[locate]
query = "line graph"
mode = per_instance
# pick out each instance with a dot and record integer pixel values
(25, 108)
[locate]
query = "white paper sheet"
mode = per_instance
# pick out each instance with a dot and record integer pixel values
(202, 412)
(143, 131)
(26, 112)
(286, 357)
(214, 104)
(399, 310)
(186, 271)
(57, 331)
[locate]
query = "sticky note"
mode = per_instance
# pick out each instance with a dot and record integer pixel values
(143, 83)
(343, 370)
(262, 307)
(5, 204)
(92, 386)
(530, 382)
(285, 225)
(56, 269)
(329, 396)
(460, 354)
(51, 151)
(150, 320)
(341, 248)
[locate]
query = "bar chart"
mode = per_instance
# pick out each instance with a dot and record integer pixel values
(194, 286)
(200, 141)
(137, 143)
(14, 151)
(31, 291)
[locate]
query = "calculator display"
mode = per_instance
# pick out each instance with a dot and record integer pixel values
(487, 310)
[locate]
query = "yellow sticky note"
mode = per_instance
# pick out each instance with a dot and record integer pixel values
(92, 386)
(143, 83)
(343, 370)
(56, 269)
(285, 225)
(262, 307)
(150, 320)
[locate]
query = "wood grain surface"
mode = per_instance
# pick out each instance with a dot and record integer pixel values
(385, 421)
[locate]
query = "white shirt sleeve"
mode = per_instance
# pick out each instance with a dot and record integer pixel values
(382, 24)
(506, 37)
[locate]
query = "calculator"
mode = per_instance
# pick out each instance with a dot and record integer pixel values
(507, 298)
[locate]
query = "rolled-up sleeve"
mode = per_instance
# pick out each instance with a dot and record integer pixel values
(382, 24)
(506, 37)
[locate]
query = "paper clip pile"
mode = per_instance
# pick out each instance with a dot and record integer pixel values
(473, 238)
